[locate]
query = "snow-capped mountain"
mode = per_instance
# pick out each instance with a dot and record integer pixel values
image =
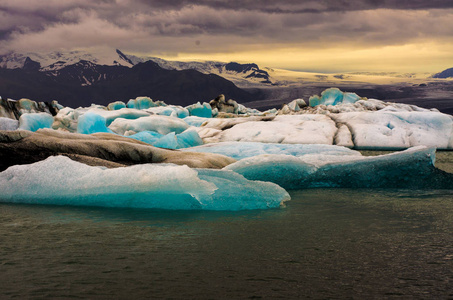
(241, 74)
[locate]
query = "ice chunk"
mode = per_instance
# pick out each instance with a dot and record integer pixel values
(161, 124)
(149, 137)
(140, 103)
(200, 110)
(8, 124)
(35, 121)
(333, 96)
(240, 150)
(397, 130)
(91, 123)
(168, 141)
(188, 138)
(162, 186)
(413, 168)
(116, 105)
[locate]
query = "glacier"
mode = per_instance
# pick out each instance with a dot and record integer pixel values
(59, 180)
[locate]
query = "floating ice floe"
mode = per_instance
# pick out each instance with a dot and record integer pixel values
(412, 168)
(60, 181)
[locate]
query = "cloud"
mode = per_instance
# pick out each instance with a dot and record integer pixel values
(219, 26)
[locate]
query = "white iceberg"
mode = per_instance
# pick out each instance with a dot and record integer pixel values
(60, 181)
(161, 124)
(8, 124)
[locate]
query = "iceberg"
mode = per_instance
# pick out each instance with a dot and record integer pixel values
(287, 129)
(240, 150)
(141, 103)
(161, 124)
(333, 96)
(169, 110)
(8, 124)
(116, 105)
(161, 186)
(412, 168)
(398, 129)
(188, 138)
(200, 110)
(91, 123)
(35, 121)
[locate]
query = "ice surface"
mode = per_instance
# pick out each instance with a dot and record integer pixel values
(8, 124)
(240, 150)
(169, 110)
(163, 186)
(287, 129)
(161, 124)
(195, 121)
(90, 123)
(188, 138)
(396, 130)
(200, 110)
(412, 168)
(35, 121)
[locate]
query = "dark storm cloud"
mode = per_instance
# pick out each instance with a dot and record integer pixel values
(221, 25)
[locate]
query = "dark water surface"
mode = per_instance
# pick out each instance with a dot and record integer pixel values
(327, 243)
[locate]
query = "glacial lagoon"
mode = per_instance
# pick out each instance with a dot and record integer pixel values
(326, 243)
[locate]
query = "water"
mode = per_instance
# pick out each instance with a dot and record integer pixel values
(327, 243)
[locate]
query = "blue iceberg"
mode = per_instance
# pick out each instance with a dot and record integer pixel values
(412, 168)
(35, 121)
(60, 181)
(90, 123)
(333, 96)
(200, 110)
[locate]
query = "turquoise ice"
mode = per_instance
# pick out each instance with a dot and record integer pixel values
(60, 181)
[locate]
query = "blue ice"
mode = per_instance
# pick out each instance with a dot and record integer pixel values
(240, 150)
(195, 121)
(116, 105)
(90, 123)
(188, 138)
(141, 103)
(35, 121)
(59, 180)
(200, 110)
(412, 168)
(333, 96)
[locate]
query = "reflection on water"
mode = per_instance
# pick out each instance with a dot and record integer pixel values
(327, 243)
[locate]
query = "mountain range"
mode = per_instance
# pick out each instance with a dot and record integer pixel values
(76, 78)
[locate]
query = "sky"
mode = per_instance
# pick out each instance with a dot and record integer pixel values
(319, 36)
